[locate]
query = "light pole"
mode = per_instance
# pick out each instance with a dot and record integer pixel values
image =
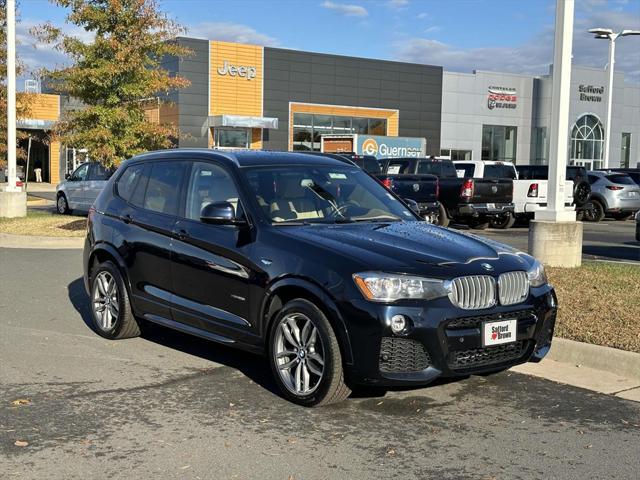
(607, 33)
(11, 95)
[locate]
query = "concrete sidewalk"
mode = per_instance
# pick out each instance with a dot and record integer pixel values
(8, 240)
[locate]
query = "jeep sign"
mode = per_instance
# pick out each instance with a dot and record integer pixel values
(237, 71)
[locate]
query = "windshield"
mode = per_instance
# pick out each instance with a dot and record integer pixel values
(499, 171)
(323, 194)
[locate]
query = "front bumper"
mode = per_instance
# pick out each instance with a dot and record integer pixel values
(445, 341)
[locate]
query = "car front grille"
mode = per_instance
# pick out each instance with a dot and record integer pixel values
(481, 357)
(473, 292)
(476, 292)
(402, 355)
(513, 287)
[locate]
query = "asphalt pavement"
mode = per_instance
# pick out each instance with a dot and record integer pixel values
(171, 406)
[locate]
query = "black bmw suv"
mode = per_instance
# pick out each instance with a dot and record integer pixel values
(313, 263)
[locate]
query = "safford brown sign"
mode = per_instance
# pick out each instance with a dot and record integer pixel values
(502, 97)
(589, 93)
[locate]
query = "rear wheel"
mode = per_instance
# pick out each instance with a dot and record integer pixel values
(305, 356)
(110, 307)
(62, 206)
(503, 221)
(595, 214)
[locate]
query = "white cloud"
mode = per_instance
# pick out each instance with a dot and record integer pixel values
(535, 55)
(230, 32)
(346, 9)
(398, 3)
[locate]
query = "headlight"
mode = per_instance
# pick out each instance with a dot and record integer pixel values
(537, 277)
(386, 287)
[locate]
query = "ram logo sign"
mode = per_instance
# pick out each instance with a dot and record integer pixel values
(388, 147)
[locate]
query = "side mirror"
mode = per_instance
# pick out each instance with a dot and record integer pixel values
(412, 204)
(220, 213)
(67, 176)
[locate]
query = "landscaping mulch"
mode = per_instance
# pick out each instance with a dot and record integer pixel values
(599, 304)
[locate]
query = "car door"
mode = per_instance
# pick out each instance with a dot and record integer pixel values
(75, 185)
(145, 222)
(211, 267)
(96, 180)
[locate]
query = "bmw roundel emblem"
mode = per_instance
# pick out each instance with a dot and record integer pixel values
(487, 267)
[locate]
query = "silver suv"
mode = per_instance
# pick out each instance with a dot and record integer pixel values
(613, 194)
(81, 187)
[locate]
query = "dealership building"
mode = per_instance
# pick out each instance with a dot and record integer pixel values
(249, 96)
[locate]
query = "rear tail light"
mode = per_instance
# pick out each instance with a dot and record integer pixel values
(533, 190)
(467, 189)
(611, 187)
(387, 182)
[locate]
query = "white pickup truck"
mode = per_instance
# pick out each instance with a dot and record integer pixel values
(528, 195)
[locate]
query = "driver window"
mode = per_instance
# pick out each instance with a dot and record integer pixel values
(80, 174)
(209, 183)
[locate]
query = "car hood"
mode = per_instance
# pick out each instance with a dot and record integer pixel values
(411, 247)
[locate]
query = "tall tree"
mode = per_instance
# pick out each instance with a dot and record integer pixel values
(22, 99)
(113, 74)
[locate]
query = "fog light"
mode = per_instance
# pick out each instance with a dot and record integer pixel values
(398, 323)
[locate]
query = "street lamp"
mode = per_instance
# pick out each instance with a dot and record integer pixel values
(608, 34)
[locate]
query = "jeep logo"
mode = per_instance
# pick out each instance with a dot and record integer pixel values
(237, 71)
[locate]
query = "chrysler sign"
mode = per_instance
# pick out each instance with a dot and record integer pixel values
(501, 97)
(237, 71)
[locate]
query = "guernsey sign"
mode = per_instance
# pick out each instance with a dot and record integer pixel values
(502, 97)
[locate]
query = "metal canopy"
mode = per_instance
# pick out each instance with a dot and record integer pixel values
(35, 124)
(242, 121)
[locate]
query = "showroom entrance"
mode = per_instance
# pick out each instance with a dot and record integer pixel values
(587, 142)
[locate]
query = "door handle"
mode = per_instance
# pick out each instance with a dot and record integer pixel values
(182, 234)
(126, 218)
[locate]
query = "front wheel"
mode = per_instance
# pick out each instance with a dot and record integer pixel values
(62, 206)
(596, 213)
(305, 356)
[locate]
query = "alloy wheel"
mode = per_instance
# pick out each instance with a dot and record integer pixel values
(62, 204)
(105, 301)
(298, 354)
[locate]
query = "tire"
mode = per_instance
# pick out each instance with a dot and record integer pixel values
(479, 223)
(443, 218)
(622, 217)
(62, 205)
(596, 214)
(581, 193)
(580, 216)
(324, 389)
(504, 221)
(118, 321)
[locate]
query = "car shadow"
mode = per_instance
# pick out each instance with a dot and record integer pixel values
(617, 252)
(254, 367)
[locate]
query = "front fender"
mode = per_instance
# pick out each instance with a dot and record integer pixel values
(104, 250)
(316, 291)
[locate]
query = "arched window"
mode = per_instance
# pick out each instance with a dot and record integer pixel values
(587, 142)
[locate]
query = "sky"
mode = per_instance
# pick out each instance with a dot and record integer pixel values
(460, 35)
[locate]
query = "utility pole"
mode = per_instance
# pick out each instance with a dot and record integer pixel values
(13, 201)
(555, 237)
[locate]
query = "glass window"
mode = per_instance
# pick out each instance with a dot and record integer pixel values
(231, 137)
(397, 167)
(465, 170)
(323, 194)
(625, 150)
(342, 125)
(499, 143)
(80, 174)
(587, 141)
(499, 171)
(99, 172)
(621, 179)
(162, 193)
(440, 168)
(377, 126)
(360, 125)
(129, 182)
(540, 146)
(209, 183)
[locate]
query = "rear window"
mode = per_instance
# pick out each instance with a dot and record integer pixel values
(99, 172)
(371, 165)
(499, 171)
(441, 169)
(621, 179)
(576, 173)
(465, 170)
(397, 167)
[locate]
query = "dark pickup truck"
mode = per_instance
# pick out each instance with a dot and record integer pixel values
(474, 201)
(422, 189)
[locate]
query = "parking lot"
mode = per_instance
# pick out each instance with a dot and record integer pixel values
(178, 407)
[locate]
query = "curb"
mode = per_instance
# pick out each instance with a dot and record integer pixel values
(9, 240)
(605, 359)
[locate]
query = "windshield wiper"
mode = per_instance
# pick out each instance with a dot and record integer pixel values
(379, 218)
(291, 223)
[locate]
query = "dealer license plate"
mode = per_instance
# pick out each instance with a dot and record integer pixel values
(498, 333)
